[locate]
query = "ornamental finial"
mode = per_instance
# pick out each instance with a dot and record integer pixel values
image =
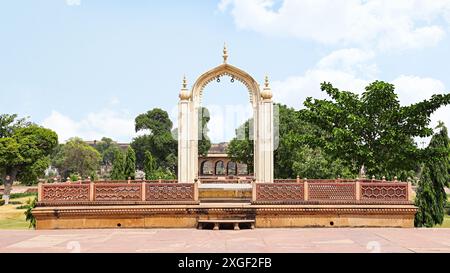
(225, 53)
(266, 92)
(184, 93)
(184, 82)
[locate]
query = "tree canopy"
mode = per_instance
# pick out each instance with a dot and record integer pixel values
(431, 197)
(292, 156)
(76, 157)
(373, 129)
(204, 143)
(240, 149)
(24, 149)
(118, 168)
(107, 148)
(130, 164)
(159, 141)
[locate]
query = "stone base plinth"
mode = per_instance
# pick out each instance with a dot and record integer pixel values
(186, 216)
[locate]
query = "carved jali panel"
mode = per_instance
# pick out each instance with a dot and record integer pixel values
(385, 191)
(331, 191)
(279, 192)
(65, 192)
(118, 192)
(170, 192)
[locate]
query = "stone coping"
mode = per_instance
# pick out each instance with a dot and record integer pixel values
(234, 205)
(225, 186)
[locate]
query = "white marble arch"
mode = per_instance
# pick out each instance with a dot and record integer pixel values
(262, 129)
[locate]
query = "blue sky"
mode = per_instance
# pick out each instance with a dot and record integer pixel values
(88, 67)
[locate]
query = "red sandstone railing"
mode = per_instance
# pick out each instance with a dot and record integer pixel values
(120, 181)
(118, 192)
(281, 192)
(331, 191)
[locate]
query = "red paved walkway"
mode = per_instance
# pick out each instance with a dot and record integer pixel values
(258, 240)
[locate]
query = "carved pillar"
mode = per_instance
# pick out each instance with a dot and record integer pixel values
(40, 192)
(253, 132)
(184, 161)
(265, 136)
(193, 141)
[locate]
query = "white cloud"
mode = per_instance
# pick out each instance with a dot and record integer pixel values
(105, 123)
(412, 89)
(341, 67)
(344, 69)
(384, 24)
(294, 90)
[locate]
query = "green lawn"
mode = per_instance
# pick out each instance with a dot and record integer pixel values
(446, 223)
(13, 218)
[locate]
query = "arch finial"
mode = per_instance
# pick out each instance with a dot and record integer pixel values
(184, 82)
(225, 53)
(184, 93)
(266, 82)
(266, 92)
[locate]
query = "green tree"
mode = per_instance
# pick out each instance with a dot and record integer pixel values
(130, 164)
(425, 201)
(159, 140)
(240, 149)
(372, 129)
(438, 164)
(107, 148)
(76, 157)
(314, 163)
(24, 150)
(118, 168)
(204, 143)
(152, 171)
(149, 166)
(292, 155)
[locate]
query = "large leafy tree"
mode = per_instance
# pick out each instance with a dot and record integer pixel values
(76, 157)
(24, 150)
(130, 164)
(159, 140)
(107, 148)
(240, 149)
(373, 129)
(315, 163)
(152, 172)
(292, 156)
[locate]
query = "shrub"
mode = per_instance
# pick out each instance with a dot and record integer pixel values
(28, 213)
(2, 202)
(20, 195)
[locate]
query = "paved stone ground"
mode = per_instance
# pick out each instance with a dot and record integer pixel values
(258, 240)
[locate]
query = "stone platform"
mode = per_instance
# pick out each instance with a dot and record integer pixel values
(296, 240)
(149, 204)
(187, 216)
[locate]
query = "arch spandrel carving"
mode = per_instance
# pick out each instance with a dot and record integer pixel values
(225, 70)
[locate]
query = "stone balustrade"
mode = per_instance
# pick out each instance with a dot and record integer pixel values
(118, 192)
(292, 191)
(306, 191)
